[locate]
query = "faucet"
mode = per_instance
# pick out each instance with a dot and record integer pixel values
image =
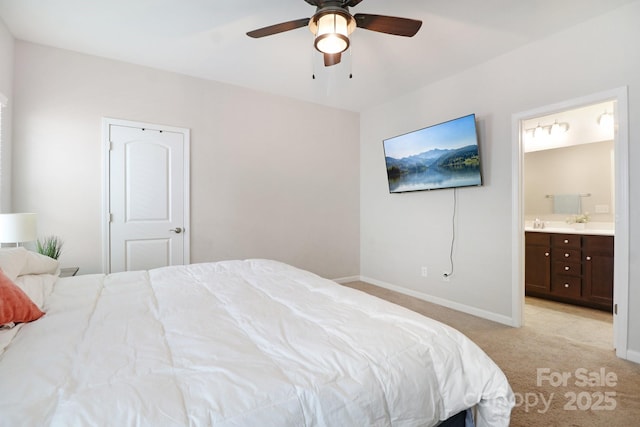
(538, 223)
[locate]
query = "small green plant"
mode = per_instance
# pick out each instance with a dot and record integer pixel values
(50, 246)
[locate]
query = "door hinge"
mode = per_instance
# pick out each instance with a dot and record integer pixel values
(110, 147)
(109, 217)
(615, 308)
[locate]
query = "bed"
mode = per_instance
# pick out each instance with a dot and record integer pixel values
(235, 343)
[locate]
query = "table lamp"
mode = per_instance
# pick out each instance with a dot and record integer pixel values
(18, 227)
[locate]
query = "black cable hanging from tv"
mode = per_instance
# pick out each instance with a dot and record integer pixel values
(453, 231)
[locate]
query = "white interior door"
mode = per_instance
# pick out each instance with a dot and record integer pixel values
(147, 220)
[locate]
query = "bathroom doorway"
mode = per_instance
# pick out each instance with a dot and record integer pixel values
(572, 178)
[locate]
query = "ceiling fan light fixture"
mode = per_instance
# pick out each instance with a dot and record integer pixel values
(331, 30)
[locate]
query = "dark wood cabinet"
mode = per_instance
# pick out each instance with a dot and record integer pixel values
(597, 281)
(571, 268)
(537, 263)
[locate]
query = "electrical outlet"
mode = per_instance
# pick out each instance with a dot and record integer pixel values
(424, 272)
(446, 276)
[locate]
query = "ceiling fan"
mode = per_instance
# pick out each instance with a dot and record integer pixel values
(332, 24)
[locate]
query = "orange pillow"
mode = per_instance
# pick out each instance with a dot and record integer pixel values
(15, 305)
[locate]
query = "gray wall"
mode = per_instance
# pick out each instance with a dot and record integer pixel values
(271, 177)
(402, 232)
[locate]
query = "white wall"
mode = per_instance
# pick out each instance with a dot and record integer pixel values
(402, 232)
(271, 177)
(6, 88)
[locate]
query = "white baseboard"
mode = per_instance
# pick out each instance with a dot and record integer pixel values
(505, 320)
(343, 280)
(633, 356)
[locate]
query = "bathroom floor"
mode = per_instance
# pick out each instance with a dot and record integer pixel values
(580, 324)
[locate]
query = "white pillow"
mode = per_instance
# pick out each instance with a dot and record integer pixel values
(34, 273)
(38, 287)
(12, 261)
(36, 263)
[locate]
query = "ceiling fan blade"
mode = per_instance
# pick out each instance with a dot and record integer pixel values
(353, 3)
(332, 59)
(388, 24)
(278, 28)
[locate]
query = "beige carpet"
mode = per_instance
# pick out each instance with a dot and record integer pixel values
(557, 340)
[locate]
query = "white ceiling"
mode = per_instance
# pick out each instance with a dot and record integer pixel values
(207, 39)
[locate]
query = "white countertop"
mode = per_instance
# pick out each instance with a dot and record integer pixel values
(593, 228)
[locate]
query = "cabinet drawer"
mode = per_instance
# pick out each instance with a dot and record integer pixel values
(598, 245)
(536, 238)
(566, 241)
(567, 268)
(567, 286)
(571, 255)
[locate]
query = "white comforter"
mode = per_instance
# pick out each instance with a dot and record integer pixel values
(239, 343)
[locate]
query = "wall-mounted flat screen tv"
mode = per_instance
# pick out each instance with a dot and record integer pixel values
(439, 156)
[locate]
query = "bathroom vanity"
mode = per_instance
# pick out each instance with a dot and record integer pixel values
(572, 266)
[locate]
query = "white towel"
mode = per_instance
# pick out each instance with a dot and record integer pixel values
(567, 204)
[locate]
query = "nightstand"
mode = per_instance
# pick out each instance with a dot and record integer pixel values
(69, 271)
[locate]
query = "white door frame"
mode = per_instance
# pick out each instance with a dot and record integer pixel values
(106, 209)
(621, 241)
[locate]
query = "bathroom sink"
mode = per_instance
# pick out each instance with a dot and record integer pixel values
(597, 228)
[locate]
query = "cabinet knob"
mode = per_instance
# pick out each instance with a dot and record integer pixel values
(566, 285)
(566, 240)
(588, 258)
(546, 254)
(566, 268)
(566, 255)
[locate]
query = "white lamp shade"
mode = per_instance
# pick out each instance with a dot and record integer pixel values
(18, 227)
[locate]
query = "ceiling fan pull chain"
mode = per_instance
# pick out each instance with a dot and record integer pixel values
(351, 63)
(313, 64)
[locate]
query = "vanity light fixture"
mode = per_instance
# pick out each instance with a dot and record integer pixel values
(558, 128)
(555, 129)
(605, 120)
(538, 131)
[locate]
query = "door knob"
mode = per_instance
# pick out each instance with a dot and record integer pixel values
(177, 230)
